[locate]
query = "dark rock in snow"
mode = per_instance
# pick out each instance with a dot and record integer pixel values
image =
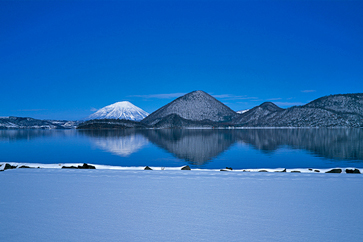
(86, 166)
(147, 168)
(69, 167)
(227, 169)
(352, 171)
(262, 171)
(8, 167)
(316, 171)
(186, 168)
(284, 170)
(25, 167)
(296, 171)
(334, 171)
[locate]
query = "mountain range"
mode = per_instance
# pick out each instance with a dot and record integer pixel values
(31, 123)
(342, 110)
(200, 110)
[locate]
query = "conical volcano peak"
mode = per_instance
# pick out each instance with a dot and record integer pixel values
(196, 106)
(196, 95)
(198, 92)
(120, 110)
(125, 104)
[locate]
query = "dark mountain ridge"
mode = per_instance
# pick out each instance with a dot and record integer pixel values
(31, 123)
(253, 116)
(175, 121)
(111, 124)
(340, 103)
(341, 110)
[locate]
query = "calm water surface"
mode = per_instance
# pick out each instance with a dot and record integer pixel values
(252, 148)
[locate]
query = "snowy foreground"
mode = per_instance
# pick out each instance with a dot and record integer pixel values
(174, 205)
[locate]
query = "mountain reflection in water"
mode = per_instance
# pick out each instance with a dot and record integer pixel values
(195, 146)
(119, 142)
(13, 135)
(341, 144)
(200, 146)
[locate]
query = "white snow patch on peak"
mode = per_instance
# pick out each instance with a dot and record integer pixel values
(120, 110)
(243, 111)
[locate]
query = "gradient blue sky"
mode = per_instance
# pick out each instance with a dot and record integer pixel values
(65, 59)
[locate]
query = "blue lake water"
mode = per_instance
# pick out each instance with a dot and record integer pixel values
(239, 149)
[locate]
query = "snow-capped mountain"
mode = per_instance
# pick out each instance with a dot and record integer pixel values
(120, 110)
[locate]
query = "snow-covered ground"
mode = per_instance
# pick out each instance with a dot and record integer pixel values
(174, 205)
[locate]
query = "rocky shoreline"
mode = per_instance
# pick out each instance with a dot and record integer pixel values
(12, 165)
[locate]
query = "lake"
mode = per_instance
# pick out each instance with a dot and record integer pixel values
(204, 148)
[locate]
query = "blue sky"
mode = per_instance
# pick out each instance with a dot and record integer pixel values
(65, 59)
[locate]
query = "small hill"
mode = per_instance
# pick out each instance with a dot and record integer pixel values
(175, 121)
(253, 116)
(111, 124)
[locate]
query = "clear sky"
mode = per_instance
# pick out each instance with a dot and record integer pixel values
(66, 59)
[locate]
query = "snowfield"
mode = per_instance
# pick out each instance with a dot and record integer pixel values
(174, 205)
